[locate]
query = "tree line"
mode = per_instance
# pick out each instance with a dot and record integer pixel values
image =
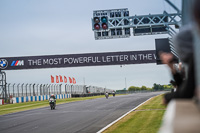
(155, 87)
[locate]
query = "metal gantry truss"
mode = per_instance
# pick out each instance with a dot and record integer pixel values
(145, 21)
(142, 25)
(120, 22)
(3, 92)
(119, 26)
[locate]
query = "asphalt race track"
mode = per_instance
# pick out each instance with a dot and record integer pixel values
(78, 117)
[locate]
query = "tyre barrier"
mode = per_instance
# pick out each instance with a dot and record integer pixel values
(37, 98)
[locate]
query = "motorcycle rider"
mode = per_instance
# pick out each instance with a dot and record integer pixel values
(52, 96)
(113, 93)
(52, 101)
(106, 94)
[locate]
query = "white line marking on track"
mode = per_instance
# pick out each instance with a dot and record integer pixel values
(109, 125)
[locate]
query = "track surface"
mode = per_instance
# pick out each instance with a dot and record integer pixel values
(78, 117)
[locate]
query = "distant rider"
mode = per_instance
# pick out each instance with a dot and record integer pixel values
(113, 93)
(52, 96)
(106, 94)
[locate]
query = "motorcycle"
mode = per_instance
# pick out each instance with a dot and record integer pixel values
(106, 95)
(52, 103)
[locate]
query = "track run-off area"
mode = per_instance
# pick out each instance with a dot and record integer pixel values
(88, 116)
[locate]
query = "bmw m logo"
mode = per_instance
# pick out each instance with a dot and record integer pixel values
(3, 63)
(18, 63)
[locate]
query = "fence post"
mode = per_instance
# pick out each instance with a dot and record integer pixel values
(60, 88)
(54, 89)
(40, 89)
(18, 89)
(51, 89)
(37, 89)
(48, 88)
(9, 89)
(13, 89)
(71, 88)
(30, 88)
(22, 89)
(43, 89)
(65, 88)
(33, 89)
(26, 89)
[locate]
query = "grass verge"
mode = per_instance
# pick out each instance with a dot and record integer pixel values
(145, 119)
(12, 108)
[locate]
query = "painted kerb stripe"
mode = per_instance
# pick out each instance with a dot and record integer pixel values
(109, 125)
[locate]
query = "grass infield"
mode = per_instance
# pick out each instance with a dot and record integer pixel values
(145, 119)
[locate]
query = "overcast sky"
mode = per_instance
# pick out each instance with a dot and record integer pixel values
(53, 27)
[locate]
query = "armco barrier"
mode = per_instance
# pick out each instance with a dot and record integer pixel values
(36, 98)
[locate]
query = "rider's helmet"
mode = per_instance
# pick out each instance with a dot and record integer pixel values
(52, 95)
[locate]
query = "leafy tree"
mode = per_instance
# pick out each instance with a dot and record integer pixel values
(135, 88)
(143, 88)
(161, 87)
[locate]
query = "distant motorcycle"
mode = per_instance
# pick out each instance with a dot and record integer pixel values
(52, 103)
(106, 95)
